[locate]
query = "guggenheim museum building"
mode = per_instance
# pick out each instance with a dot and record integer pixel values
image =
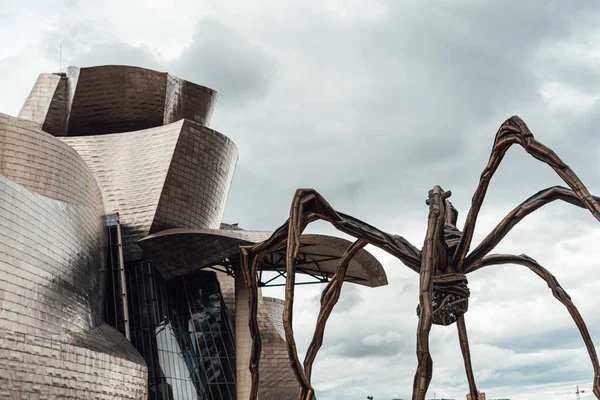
(118, 278)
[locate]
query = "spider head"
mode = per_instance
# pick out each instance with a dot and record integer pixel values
(450, 299)
(437, 197)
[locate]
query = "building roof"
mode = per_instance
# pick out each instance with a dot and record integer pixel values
(176, 252)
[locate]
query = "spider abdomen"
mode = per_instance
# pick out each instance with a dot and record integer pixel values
(450, 298)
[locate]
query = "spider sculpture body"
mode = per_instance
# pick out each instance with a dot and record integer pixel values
(442, 263)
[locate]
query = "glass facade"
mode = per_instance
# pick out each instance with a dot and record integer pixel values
(183, 330)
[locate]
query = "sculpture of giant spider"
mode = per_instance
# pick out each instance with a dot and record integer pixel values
(442, 264)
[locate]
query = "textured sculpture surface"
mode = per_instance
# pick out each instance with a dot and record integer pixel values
(442, 263)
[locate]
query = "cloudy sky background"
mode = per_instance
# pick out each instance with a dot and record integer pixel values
(373, 103)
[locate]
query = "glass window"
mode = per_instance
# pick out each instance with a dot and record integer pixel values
(183, 330)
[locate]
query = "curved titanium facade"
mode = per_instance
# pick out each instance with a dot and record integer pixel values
(52, 276)
(52, 233)
(114, 98)
(174, 176)
(277, 380)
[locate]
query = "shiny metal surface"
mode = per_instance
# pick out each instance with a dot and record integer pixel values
(180, 179)
(41, 98)
(114, 98)
(277, 381)
(99, 364)
(178, 251)
(52, 235)
(53, 343)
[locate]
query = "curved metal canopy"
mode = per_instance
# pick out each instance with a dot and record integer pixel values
(176, 252)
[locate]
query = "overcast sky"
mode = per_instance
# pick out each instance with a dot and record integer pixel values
(373, 103)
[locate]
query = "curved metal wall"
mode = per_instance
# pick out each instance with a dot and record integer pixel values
(39, 101)
(198, 182)
(53, 343)
(188, 100)
(114, 98)
(277, 380)
(120, 98)
(100, 364)
(177, 175)
(52, 236)
(131, 169)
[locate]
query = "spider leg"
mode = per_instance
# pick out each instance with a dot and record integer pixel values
(308, 206)
(434, 250)
(249, 261)
(464, 347)
(515, 131)
(559, 293)
(517, 214)
(329, 298)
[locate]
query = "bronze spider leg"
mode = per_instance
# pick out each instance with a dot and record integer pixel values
(329, 298)
(517, 214)
(433, 254)
(249, 257)
(308, 206)
(512, 131)
(559, 293)
(466, 353)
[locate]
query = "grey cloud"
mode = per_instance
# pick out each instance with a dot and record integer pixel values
(118, 53)
(224, 59)
(405, 136)
(217, 57)
(359, 348)
(350, 297)
(555, 339)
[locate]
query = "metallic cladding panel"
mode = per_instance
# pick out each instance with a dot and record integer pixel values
(53, 344)
(177, 175)
(131, 169)
(99, 365)
(198, 181)
(45, 165)
(116, 98)
(52, 236)
(277, 380)
(38, 102)
(51, 263)
(186, 100)
(56, 118)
